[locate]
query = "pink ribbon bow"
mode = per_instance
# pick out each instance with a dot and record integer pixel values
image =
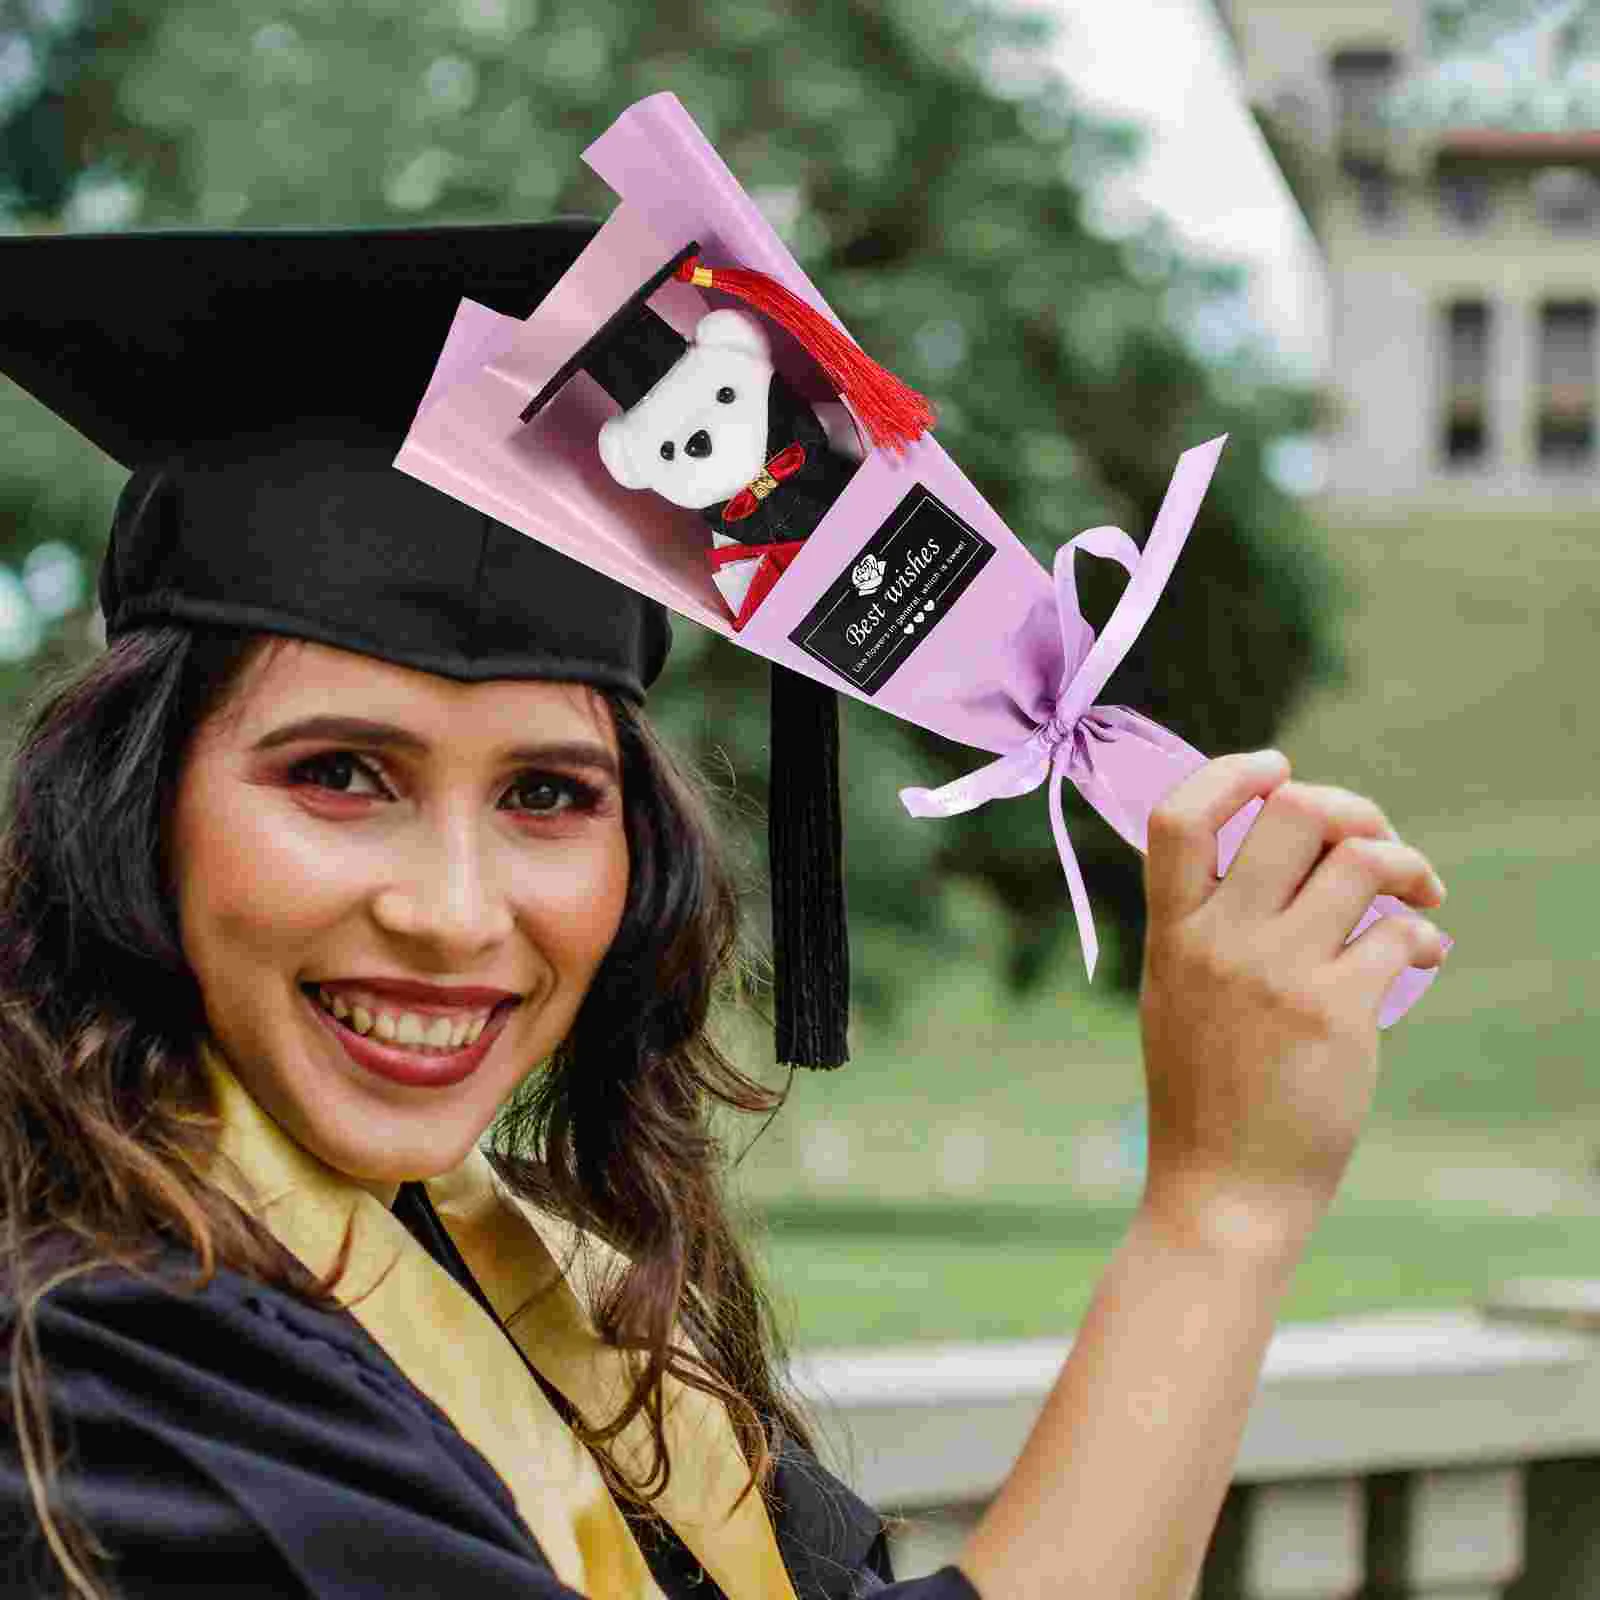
(1065, 744)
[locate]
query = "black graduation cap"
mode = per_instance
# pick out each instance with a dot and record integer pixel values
(259, 385)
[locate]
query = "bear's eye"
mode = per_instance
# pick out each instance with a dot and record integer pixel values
(667, 450)
(726, 395)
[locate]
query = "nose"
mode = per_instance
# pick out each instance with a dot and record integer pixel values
(699, 444)
(442, 895)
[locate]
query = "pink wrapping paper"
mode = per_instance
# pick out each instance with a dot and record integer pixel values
(1008, 666)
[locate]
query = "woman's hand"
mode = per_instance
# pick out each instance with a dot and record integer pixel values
(1261, 1047)
(1260, 1024)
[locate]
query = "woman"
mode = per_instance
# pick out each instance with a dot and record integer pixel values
(355, 839)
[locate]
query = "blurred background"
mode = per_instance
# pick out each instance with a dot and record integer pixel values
(1357, 237)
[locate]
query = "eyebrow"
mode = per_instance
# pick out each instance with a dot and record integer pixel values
(361, 732)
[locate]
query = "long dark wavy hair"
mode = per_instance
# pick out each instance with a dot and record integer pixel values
(106, 1123)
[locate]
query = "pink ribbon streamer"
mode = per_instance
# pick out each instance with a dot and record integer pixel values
(1063, 746)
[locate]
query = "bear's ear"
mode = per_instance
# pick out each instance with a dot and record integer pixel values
(733, 330)
(615, 454)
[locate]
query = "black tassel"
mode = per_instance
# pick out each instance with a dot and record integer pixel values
(810, 939)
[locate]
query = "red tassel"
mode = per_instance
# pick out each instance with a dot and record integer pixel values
(893, 413)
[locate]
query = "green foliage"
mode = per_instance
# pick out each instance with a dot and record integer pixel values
(42, 43)
(1476, 25)
(931, 174)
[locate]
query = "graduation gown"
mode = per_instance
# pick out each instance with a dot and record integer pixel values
(237, 1440)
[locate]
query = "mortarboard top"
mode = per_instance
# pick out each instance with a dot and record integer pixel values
(258, 384)
(629, 352)
(149, 342)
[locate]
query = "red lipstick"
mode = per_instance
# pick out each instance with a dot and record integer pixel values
(415, 1068)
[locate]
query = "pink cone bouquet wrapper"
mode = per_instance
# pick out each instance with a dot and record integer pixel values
(910, 593)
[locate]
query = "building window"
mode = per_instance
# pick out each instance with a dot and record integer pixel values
(1466, 372)
(1361, 83)
(1465, 200)
(1375, 196)
(1565, 400)
(1567, 199)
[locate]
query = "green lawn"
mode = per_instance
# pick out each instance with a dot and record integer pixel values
(968, 1174)
(977, 1191)
(849, 1287)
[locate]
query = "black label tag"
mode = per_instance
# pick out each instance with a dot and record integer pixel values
(902, 582)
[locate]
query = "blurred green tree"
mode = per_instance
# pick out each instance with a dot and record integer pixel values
(926, 167)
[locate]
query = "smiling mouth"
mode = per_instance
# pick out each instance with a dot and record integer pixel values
(425, 1033)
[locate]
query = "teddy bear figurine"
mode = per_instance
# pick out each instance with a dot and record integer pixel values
(723, 434)
(709, 424)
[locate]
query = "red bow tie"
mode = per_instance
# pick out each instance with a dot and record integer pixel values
(785, 464)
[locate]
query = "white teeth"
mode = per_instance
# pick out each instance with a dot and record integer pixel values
(406, 1027)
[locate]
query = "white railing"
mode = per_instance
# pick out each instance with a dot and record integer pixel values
(1433, 1456)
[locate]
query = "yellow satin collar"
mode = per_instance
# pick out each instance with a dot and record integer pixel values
(439, 1336)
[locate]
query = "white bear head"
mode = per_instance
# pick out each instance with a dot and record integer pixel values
(700, 435)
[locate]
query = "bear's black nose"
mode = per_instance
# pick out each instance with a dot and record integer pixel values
(698, 444)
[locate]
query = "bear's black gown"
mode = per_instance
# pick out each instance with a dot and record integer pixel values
(237, 1441)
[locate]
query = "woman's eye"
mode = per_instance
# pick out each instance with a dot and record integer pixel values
(726, 395)
(342, 771)
(545, 795)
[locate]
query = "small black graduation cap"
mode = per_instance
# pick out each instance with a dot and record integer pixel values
(629, 353)
(259, 384)
(634, 348)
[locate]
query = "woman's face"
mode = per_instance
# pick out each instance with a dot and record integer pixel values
(394, 890)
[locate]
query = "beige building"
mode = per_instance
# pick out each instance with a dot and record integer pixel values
(1448, 158)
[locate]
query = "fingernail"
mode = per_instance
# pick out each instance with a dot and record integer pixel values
(1439, 888)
